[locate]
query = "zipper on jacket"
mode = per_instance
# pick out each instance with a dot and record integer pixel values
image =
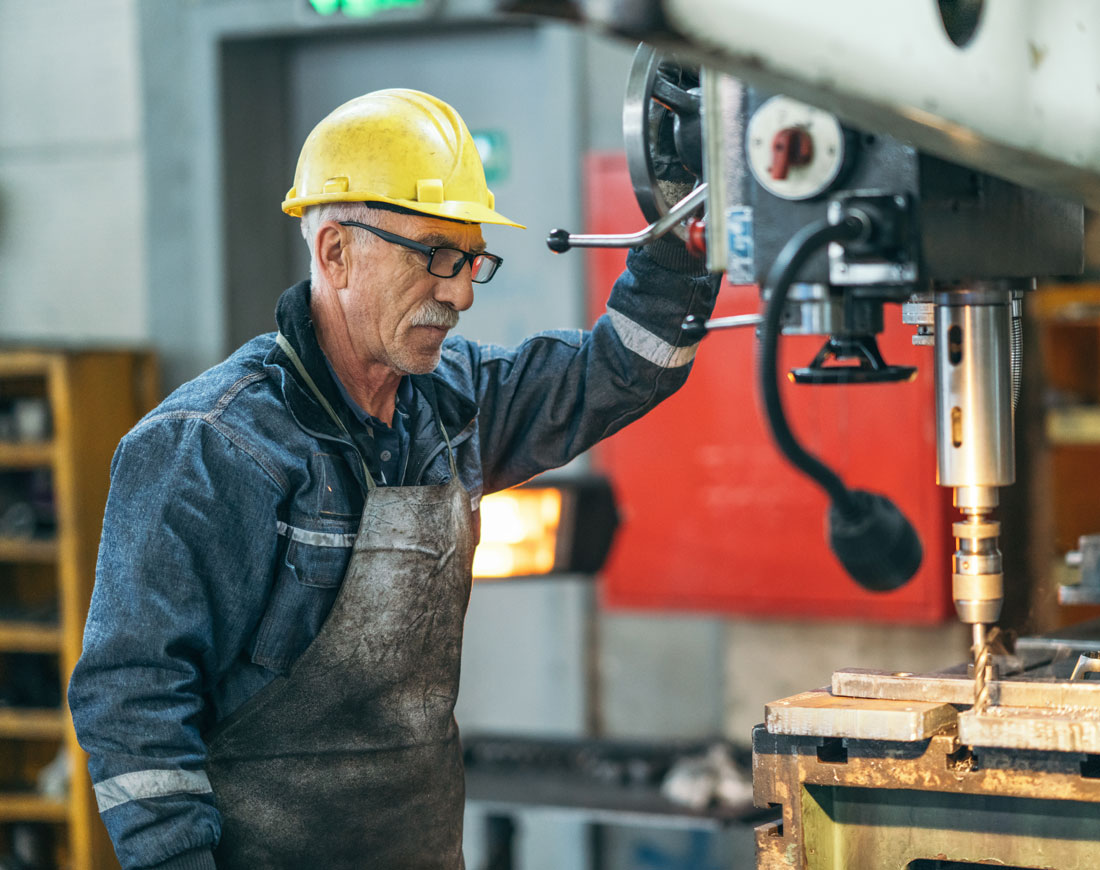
(404, 465)
(456, 441)
(439, 448)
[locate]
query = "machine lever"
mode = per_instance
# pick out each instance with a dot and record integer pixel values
(695, 328)
(560, 241)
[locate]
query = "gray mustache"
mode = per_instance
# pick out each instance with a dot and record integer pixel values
(434, 313)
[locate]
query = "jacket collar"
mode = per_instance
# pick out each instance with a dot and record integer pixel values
(292, 315)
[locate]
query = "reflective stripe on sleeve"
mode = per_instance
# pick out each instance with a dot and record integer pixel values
(649, 346)
(317, 539)
(142, 784)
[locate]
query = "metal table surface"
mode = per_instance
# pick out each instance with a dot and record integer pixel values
(598, 802)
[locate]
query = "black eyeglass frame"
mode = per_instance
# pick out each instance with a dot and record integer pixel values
(430, 251)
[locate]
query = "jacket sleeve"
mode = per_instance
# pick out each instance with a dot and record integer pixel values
(185, 562)
(558, 393)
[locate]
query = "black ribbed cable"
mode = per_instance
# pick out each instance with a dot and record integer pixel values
(799, 248)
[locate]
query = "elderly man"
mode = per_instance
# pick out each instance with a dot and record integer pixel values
(272, 653)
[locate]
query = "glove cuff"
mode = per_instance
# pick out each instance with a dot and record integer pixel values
(669, 252)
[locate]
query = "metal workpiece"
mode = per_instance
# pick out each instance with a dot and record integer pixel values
(974, 437)
(1056, 729)
(822, 714)
(1048, 691)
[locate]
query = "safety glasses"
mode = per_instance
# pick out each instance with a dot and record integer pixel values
(442, 262)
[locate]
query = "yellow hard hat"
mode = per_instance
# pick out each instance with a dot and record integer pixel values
(397, 146)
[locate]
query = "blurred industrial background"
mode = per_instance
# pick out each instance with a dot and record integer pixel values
(145, 146)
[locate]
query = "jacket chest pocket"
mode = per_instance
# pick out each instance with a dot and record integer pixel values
(338, 492)
(311, 570)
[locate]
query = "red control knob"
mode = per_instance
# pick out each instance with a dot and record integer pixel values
(792, 146)
(697, 237)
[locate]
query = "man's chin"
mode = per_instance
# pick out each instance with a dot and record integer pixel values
(421, 350)
(421, 364)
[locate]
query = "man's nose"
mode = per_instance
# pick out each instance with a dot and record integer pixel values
(458, 292)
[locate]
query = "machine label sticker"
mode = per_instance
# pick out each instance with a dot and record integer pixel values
(741, 266)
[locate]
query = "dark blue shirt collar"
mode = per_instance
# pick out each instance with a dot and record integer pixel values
(391, 442)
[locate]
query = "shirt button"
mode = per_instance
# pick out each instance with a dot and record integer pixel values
(386, 455)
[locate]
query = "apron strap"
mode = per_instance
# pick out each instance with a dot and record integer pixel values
(281, 340)
(428, 388)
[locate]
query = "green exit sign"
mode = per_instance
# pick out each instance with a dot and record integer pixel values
(359, 8)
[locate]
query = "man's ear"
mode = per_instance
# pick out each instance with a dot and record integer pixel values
(332, 251)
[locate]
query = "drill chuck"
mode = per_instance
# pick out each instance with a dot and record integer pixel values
(977, 580)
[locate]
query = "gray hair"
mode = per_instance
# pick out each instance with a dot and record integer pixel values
(315, 215)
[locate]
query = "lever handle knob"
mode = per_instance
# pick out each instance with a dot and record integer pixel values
(694, 328)
(558, 241)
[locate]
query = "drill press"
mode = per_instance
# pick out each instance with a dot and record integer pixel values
(956, 247)
(834, 223)
(900, 769)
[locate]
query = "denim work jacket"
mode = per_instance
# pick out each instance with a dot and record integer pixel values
(234, 506)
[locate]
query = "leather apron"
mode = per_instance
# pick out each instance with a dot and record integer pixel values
(353, 759)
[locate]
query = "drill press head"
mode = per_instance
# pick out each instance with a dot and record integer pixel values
(966, 242)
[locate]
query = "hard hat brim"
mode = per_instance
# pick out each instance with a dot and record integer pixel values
(454, 210)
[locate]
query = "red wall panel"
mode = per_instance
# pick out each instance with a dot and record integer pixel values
(713, 519)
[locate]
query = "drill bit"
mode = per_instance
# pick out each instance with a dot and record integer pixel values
(983, 667)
